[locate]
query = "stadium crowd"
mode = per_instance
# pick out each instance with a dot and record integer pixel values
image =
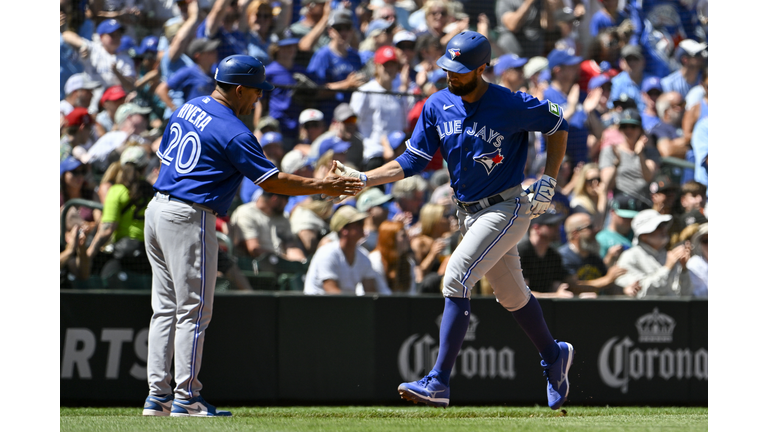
(629, 217)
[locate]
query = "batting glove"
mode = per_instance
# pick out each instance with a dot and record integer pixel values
(540, 195)
(345, 171)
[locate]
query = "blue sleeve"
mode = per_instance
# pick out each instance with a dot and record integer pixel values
(200, 32)
(422, 145)
(177, 80)
(535, 115)
(317, 67)
(245, 153)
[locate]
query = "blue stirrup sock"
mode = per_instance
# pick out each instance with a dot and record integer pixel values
(531, 320)
(453, 327)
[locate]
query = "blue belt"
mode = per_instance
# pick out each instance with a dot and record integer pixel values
(474, 207)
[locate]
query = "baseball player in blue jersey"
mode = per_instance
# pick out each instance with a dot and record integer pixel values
(205, 153)
(482, 130)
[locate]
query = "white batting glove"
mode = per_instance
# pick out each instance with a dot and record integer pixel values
(540, 195)
(345, 171)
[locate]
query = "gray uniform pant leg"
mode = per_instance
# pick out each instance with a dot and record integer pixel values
(489, 248)
(183, 250)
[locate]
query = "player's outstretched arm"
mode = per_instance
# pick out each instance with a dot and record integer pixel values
(331, 185)
(387, 173)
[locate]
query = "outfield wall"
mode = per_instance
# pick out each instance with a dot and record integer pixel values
(284, 348)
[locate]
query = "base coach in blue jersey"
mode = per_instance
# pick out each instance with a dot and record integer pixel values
(482, 130)
(205, 153)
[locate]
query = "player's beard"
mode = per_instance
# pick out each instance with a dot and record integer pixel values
(465, 89)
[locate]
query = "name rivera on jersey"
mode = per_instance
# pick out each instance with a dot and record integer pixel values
(454, 128)
(194, 115)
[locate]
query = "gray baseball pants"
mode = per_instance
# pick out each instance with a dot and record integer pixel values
(181, 245)
(489, 248)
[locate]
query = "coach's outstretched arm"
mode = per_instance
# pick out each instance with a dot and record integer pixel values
(332, 185)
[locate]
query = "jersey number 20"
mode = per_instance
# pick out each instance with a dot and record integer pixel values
(179, 144)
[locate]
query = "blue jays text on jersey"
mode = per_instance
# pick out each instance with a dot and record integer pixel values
(484, 143)
(205, 153)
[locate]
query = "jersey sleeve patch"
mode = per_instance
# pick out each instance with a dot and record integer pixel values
(554, 109)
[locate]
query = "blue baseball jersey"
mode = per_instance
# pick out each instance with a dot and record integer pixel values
(484, 143)
(205, 153)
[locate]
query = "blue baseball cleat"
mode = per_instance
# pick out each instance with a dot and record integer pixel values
(557, 376)
(428, 390)
(157, 405)
(196, 407)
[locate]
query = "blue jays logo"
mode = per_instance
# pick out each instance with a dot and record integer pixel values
(490, 160)
(455, 52)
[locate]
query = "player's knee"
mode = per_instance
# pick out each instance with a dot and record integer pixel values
(513, 300)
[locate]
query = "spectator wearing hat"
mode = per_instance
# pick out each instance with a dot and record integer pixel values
(532, 71)
(520, 30)
(76, 139)
(122, 221)
(196, 80)
(311, 126)
(404, 42)
(605, 49)
(691, 55)
(130, 121)
(374, 202)
(309, 223)
(379, 33)
(101, 60)
(509, 71)
(630, 78)
(79, 93)
(606, 17)
(564, 90)
(336, 66)
(272, 145)
(280, 102)
(599, 116)
(174, 45)
(343, 267)
(343, 128)
(692, 202)
(565, 25)
(221, 24)
(110, 101)
(381, 114)
(541, 263)
(581, 260)
(75, 183)
(298, 163)
(617, 234)
(664, 194)
(667, 135)
(311, 28)
(651, 90)
(629, 165)
(658, 272)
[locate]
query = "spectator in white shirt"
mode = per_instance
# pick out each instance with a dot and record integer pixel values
(101, 59)
(342, 266)
(380, 114)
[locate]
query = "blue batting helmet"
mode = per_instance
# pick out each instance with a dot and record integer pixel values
(466, 52)
(242, 70)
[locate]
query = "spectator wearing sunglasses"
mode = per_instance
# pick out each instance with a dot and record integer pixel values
(588, 273)
(589, 194)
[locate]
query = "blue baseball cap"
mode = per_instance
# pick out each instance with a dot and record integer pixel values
(149, 43)
(597, 81)
(437, 75)
(651, 83)
(562, 58)
(465, 52)
(335, 144)
(108, 26)
(377, 25)
(508, 61)
(395, 139)
(288, 41)
(126, 43)
(271, 138)
(68, 164)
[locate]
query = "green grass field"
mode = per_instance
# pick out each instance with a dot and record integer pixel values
(405, 418)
